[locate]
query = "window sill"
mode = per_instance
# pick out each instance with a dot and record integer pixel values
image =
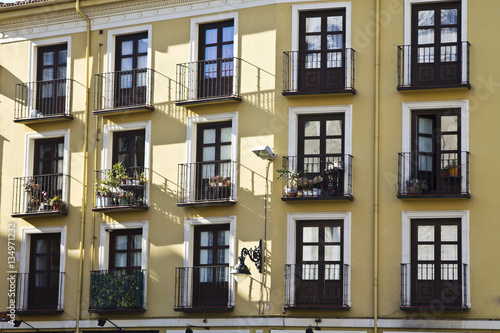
(434, 196)
(207, 308)
(318, 307)
(118, 310)
(40, 311)
(434, 308)
(44, 119)
(434, 86)
(124, 110)
(317, 198)
(292, 93)
(207, 203)
(207, 101)
(42, 213)
(123, 208)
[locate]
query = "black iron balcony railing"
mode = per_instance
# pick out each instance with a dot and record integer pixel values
(432, 286)
(43, 100)
(121, 188)
(117, 291)
(316, 177)
(425, 67)
(208, 81)
(206, 183)
(40, 195)
(124, 91)
(203, 288)
(39, 292)
(310, 286)
(431, 175)
(316, 72)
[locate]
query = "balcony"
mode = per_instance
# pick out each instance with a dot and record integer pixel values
(206, 288)
(304, 73)
(43, 101)
(40, 292)
(317, 286)
(423, 179)
(121, 189)
(117, 291)
(208, 81)
(124, 92)
(316, 177)
(424, 71)
(40, 196)
(206, 183)
(444, 290)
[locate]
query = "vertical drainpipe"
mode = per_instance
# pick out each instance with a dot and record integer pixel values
(376, 167)
(85, 163)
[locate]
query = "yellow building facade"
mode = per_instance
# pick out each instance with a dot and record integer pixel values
(335, 149)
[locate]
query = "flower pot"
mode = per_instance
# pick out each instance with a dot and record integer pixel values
(453, 171)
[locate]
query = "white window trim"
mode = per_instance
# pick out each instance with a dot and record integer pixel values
(407, 109)
(104, 249)
(407, 36)
(107, 147)
(34, 45)
(191, 141)
(296, 9)
(194, 41)
(189, 225)
(408, 216)
(291, 246)
(30, 155)
(25, 257)
(111, 54)
(293, 128)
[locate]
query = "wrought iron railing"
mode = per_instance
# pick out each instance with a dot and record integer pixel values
(121, 187)
(205, 182)
(336, 73)
(316, 176)
(44, 194)
(418, 174)
(408, 58)
(43, 99)
(317, 285)
(206, 287)
(443, 285)
(117, 290)
(208, 80)
(39, 292)
(116, 91)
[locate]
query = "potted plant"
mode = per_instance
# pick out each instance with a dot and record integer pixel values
(57, 203)
(416, 185)
(103, 195)
(453, 168)
(290, 181)
(143, 179)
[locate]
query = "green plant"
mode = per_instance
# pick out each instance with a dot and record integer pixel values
(143, 179)
(416, 184)
(56, 200)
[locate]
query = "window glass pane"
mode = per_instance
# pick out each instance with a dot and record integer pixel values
(211, 36)
(61, 74)
(449, 35)
(313, 43)
(41, 246)
(225, 152)
(449, 123)
(120, 259)
(334, 23)
(425, 55)
(425, 36)
(223, 237)
(139, 142)
(309, 272)
(228, 34)
(334, 42)
(425, 271)
(425, 233)
(449, 142)
(334, 127)
(310, 253)
(48, 58)
(59, 149)
(142, 45)
(209, 154)
(332, 234)
(311, 165)
(313, 24)
(62, 58)
(310, 234)
(127, 47)
(41, 263)
(54, 264)
(206, 257)
(137, 242)
(209, 136)
(449, 16)
(124, 143)
(425, 163)
(332, 272)
(449, 252)
(448, 53)
(425, 252)
(142, 61)
(225, 134)
(206, 238)
(332, 252)
(136, 259)
(312, 128)
(334, 59)
(425, 144)
(425, 125)
(222, 256)
(121, 242)
(126, 64)
(334, 146)
(40, 279)
(227, 52)
(211, 53)
(48, 74)
(449, 233)
(311, 147)
(207, 171)
(125, 81)
(449, 272)
(425, 18)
